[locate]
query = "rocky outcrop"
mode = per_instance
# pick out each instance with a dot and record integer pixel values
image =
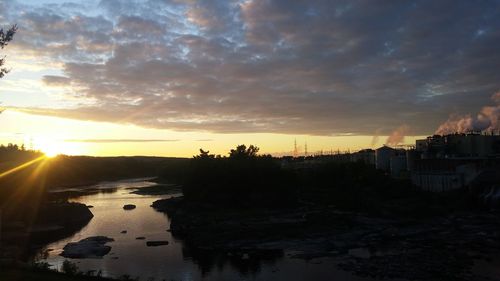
(168, 205)
(156, 243)
(129, 207)
(64, 214)
(91, 247)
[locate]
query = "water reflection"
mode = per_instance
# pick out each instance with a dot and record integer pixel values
(177, 260)
(247, 262)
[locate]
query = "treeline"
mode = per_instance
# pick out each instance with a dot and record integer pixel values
(243, 179)
(246, 179)
(27, 175)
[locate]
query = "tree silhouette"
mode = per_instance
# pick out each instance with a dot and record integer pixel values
(5, 38)
(204, 155)
(242, 151)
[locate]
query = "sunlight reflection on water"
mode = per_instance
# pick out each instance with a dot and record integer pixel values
(132, 257)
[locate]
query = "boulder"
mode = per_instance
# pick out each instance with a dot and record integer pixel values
(91, 247)
(129, 207)
(156, 243)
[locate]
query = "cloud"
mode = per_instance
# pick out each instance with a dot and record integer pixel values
(313, 67)
(54, 80)
(119, 140)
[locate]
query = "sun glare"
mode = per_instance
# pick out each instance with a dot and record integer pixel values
(50, 151)
(52, 148)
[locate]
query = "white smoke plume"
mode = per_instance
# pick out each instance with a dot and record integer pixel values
(487, 120)
(398, 135)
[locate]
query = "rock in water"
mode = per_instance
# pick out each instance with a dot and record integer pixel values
(129, 207)
(156, 243)
(91, 247)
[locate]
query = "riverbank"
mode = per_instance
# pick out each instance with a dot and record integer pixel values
(443, 247)
(19, 236)
(25, 273)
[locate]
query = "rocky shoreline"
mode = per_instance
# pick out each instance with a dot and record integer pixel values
(54, 221)
(434, 248)
(91, 247)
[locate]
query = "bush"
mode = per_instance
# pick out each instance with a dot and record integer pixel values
(69, 268)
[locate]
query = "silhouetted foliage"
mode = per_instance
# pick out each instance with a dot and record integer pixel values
(5, 38)
(204, 155)
(242, 179)
(242, 151)
(69, 268)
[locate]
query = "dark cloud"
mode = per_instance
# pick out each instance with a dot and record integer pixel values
(317, 67)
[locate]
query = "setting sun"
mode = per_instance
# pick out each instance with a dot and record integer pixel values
(52, 148)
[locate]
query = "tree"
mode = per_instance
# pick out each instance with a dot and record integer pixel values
(204, 155)
(242, 151)
(69, 268)
(5, 38)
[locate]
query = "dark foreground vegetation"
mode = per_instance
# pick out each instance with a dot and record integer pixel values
(12, 274)
(246, 180)
(41, 272)
(374, 225)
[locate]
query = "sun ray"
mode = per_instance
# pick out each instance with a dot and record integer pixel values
(22, 166)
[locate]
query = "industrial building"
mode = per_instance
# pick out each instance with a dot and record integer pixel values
(366, 156)
(391, 160)
(440, 163)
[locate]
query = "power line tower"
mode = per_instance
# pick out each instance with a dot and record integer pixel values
(305, 149)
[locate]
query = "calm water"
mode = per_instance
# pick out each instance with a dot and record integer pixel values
(174, 261)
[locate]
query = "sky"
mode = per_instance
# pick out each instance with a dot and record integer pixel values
(167, 77)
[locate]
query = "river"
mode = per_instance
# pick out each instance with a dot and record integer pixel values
(174, 261)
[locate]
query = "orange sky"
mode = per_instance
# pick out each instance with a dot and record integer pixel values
(58, 135)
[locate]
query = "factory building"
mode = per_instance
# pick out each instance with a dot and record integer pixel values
(459, 145)
(383, 157)
(366, 156)
(441, 163)
(391, 160)
(444, 174)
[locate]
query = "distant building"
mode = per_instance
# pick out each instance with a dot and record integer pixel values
(397, 163)
(391, 160)
(383, 157)
(366, 156)
(459, 145)
(441, 163)
(444, 174)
